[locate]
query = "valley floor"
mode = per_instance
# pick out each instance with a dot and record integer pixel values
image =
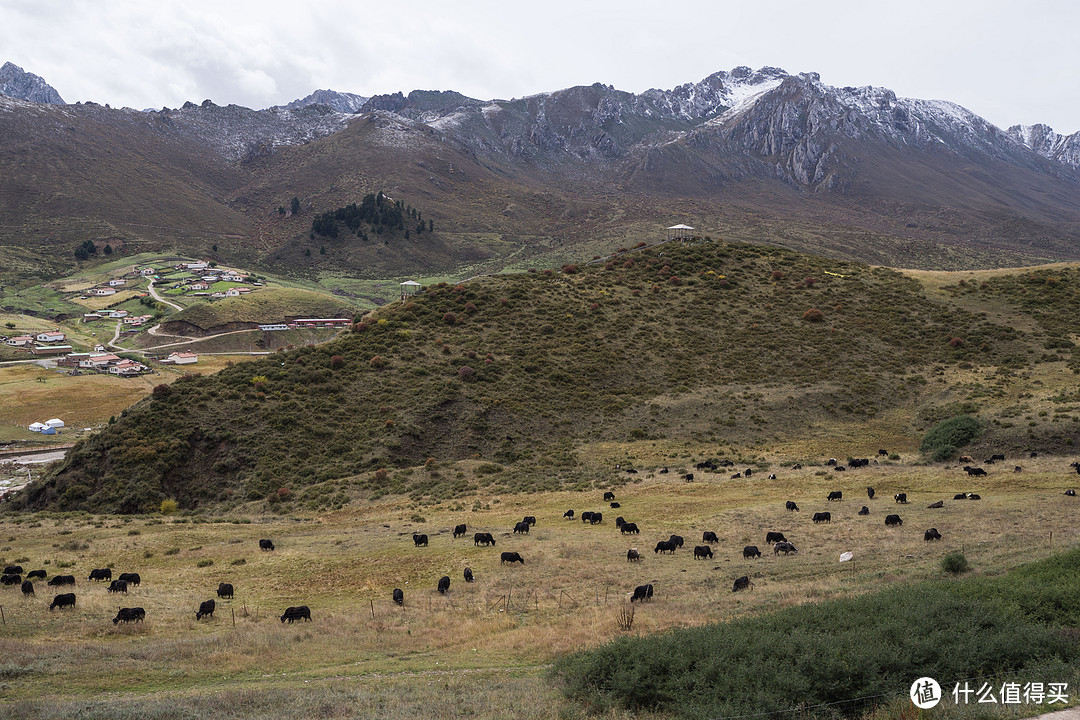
(484, 645)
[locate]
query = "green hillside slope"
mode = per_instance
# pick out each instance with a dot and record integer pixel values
(711, 343)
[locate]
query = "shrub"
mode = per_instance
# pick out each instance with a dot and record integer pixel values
(337, 361)
(569, 269)
(204, 563)
(449, 318)
(777, 275)
(381, 474)
(813, 315)
(465, 372)
(809, 282)
(378, 362)
(943, 439)
(955, 563)
(162, 391)
(956, 342)
(169, 507)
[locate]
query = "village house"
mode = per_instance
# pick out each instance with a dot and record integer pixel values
(19, 341)
(145, 272)
(103, 291)
(117, 282)
(99, 362)
(50, 337)
(116, 314)
(90, 317)
(237, 291)
(127, 368)
(136, 319)
(181, 358)
(321, 323)
(198, 286)
(217, 295)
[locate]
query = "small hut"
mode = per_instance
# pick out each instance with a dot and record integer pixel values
(37, 427)
(55, 423)
(410, 287)
(679, 232)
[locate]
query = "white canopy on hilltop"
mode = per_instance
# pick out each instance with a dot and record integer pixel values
(680, 227)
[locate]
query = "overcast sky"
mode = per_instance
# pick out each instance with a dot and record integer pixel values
(1010, 62)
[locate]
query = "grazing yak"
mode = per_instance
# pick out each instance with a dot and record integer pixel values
(677, 539)
(483, 539)
(900, 498)
(419, 539)
(784, 547)
(399, 596)
(742, 583)
(974, 471)
(839, 468)
(586, 516)
(118, 586)
(460, 530)
(688, 477)
(869, 492)
(702, 551)
(931, 534)
(62, 580)
(664, 546)
(531, 519)
(27, 587)
(934, 506)
(296, 613)
(511, 557)
(891, 520)
(883, 452)
(206, 609)
(444, 584)
(63, 600)
(709, 536)
(632, 555)
(772, 476)
(751, 551)
(522, 527)
(864, 511)
(225, 590)
(100, 574)
(1070, 492)
(822, 517)
(13, 570)
(609, 495)
(265, 544)
(774, 537)
(467, 574)
(631, 528)
(127, 615)
(836, 495)
(569, 514)
(132, 579)
(619, 521)
(858, 462)
(642, 592)
(596, 518)
(614, 505)
(37, 574)
(790, 505)
(10, 579)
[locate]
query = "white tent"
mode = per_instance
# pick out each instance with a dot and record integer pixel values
(55, 423)
(37, 427)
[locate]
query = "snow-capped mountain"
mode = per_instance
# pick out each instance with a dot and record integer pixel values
(1043, 140)
(21, 85)
(341, 101)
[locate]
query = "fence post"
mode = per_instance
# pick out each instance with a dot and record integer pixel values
(372, 602)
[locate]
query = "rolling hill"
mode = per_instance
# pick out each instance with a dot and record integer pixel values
(724, 347)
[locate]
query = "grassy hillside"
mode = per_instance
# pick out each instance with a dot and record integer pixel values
(725, 347)
(268, 305)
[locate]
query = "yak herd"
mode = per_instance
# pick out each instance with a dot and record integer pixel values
(12, 574)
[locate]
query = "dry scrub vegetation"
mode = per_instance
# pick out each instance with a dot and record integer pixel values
(489, 642)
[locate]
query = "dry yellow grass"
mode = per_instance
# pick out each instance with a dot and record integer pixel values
(565, 597)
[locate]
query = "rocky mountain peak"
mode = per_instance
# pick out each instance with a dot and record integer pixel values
(17, 83)
(341, 101)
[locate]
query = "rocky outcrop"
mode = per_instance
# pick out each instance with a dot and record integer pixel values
(21, 85)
